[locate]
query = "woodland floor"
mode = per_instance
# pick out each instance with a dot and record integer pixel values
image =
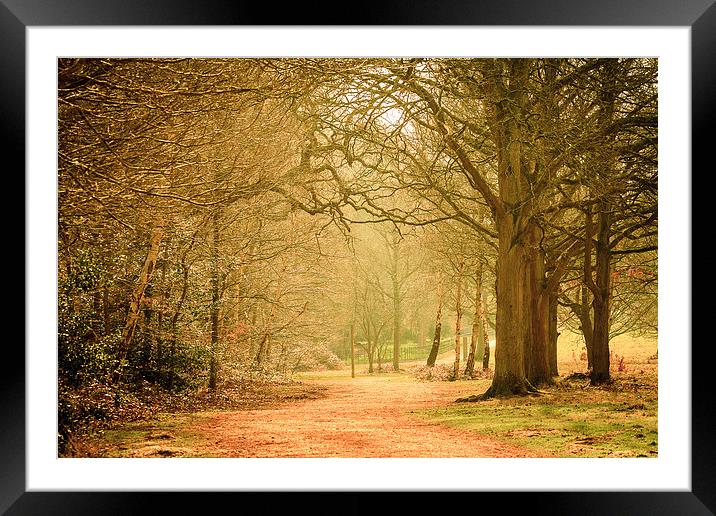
(329, 414)
(369, 416)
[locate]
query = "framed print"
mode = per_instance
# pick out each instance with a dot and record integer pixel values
(41, 41)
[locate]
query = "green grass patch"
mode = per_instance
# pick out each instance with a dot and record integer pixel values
(169, 435)
(558, 428)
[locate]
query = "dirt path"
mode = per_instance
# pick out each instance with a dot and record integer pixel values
(364, 417)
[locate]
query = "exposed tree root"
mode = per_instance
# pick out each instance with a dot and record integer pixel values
(538, 382)
(504, 390)
(469, 399)
(577, 376)
(597, 379)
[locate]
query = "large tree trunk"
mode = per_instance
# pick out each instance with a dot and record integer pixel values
(585, 323)
(537, 349)
(508, 109)
(511, 332)
(600, 303)
(508, 104)
(458, 320)
(476, 340)
(553, 333)
(438, 327)
(600, 287)
(263, 353)
(137, 299)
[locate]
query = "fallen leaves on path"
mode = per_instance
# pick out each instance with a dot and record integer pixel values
(364, 417)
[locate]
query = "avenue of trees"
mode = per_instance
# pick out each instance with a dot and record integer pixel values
(223, 216)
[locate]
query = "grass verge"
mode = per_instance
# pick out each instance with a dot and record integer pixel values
(166, 435)
(571, 420)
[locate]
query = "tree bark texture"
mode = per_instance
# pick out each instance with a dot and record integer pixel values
(601, 301)
(537, 352)
(585, 321)
(458, 320)
(508, 108)
(511, 329)
(553, 333)
(601, 286)
(476, 340)
(438, 327)
(523, 354)
(137, 298)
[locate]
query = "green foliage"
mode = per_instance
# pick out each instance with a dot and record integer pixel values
(94, 406)
(89, 404)
(186, 368)
(83, 355)
(166, 435)
(85, 272)
(176, 368)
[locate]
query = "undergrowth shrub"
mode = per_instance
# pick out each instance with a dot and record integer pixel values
(92, 408)
(317, 358)
(444, 373)
(238, 376)
(180, 367)
(616, 362)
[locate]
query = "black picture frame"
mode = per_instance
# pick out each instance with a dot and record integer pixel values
(17, 15)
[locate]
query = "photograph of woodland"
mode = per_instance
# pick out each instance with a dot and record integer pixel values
(357, 257)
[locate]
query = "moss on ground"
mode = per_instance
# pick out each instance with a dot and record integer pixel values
(168, 435)
(563, 423)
